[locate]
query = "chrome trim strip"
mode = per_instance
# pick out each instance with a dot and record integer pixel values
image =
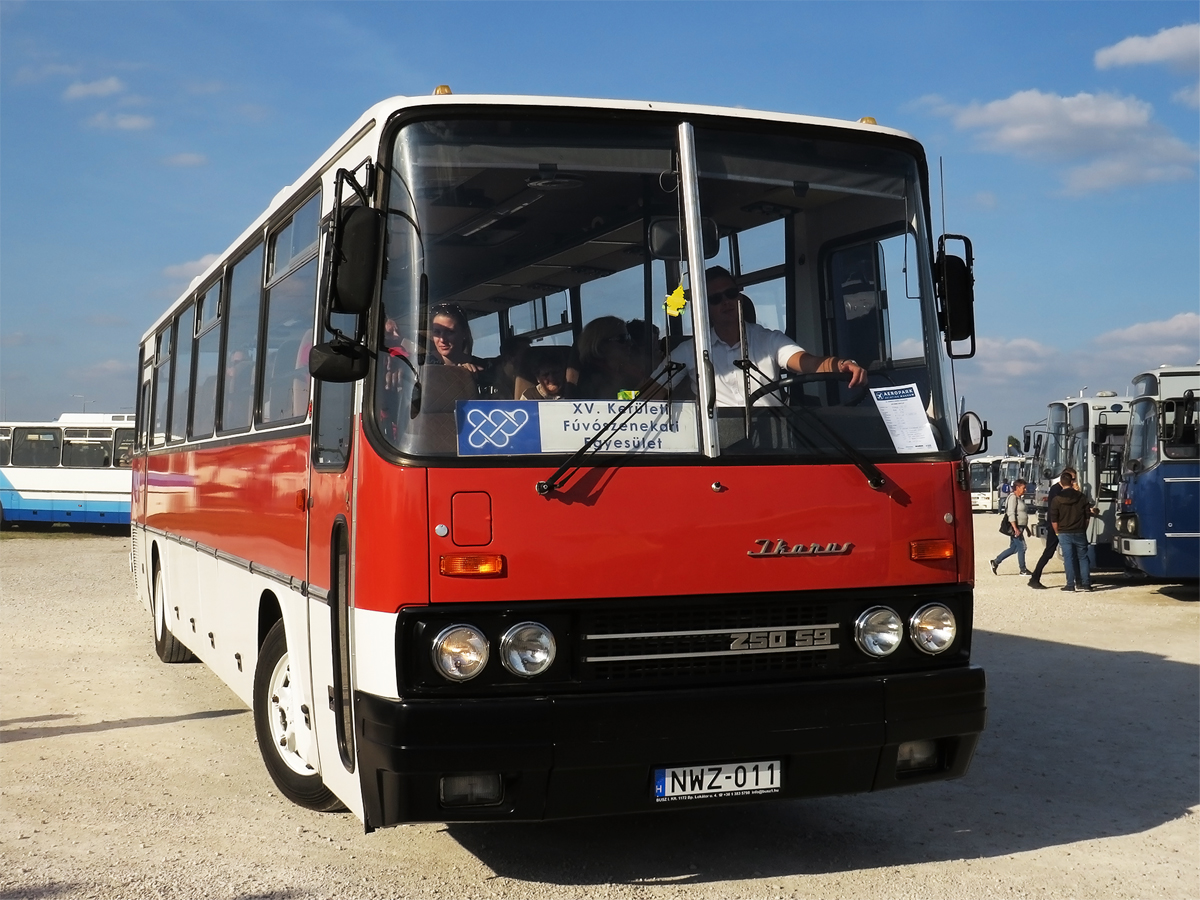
(647, 656)
(1182, 534)
(321, 595)
(656, 634)
(288, 581)
(1181, 480)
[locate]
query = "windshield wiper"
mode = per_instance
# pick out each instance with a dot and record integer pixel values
(566, 471)
(875, 478)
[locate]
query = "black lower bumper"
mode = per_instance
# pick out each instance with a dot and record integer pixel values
(594, 754)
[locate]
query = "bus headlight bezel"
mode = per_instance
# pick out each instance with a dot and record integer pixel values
(527, 649)
(465, 658)
(924, 628)
(879, 631)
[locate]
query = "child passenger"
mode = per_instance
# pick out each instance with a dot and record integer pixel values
(552, 381)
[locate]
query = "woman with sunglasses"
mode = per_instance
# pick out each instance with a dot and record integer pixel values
(450, 338)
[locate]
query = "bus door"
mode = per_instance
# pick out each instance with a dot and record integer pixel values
(330, 496)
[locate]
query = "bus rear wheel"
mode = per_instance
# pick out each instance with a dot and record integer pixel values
(278, 716)
(169, 649)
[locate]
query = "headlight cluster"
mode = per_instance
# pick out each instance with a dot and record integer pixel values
(460, 652)
(880, 630)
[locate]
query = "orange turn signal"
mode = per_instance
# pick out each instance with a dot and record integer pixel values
(939, 549)
(482, 564)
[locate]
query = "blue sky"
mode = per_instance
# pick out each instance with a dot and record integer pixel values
(137, 138)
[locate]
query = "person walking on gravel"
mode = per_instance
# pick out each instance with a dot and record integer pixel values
(1018, 520)
(1069, 514)
(1051, 536)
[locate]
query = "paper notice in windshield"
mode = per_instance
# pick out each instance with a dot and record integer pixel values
(490, 427)
(905, 418)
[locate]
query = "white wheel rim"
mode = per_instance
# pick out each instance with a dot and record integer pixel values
(160, 614)
(284, 715)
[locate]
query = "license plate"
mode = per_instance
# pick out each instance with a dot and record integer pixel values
(728, 780)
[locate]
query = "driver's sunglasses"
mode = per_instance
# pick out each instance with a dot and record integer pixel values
(716, 297)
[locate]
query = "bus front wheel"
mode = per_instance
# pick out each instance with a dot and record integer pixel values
(169, 649)
(279, 715)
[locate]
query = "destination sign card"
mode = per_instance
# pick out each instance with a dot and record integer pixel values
(528, 427)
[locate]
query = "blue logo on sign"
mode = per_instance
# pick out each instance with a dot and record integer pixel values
(489, 427)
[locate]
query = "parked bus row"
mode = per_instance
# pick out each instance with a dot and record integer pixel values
(992, 478)
(74, 470)
(448, 601)
(1138, 460)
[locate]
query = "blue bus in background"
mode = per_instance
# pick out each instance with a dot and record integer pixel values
(1158, 522)
(73, 470)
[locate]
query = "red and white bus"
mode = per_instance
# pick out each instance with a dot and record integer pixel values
(450, 595)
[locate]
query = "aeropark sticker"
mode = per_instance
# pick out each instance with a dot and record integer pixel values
(525, 427)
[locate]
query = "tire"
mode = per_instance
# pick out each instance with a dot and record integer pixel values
(277, 716)
(169, 650)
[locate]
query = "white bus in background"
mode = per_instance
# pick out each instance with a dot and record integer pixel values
(1096, 429)
(74, 470)
(985, 483)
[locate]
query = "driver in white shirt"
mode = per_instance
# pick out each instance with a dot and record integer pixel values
(772, 352)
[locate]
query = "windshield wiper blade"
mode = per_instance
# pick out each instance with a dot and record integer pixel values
(875, 478)
(564, 472)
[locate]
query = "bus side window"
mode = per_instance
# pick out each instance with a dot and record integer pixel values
(40, 447)
(5, 446)
(123, 452)
(240, 368)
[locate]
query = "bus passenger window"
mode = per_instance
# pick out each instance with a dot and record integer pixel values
(241, 342)
(40, 447)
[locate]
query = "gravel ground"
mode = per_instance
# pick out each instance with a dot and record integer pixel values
(123, 777)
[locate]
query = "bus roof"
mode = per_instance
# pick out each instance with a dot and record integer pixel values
(384, 110)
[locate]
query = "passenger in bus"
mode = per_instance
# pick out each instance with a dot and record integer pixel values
(450, 338)
(239, 389)
(606, 361)
(772, 352)
(647, 346)
(549, 370)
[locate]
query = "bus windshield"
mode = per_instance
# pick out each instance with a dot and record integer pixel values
(524, 306)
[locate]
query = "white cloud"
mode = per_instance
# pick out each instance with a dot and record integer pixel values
(1188, 96)
(121, 121)
(1176, 340)
(1178, 47)
(16, 339)
(36, 74)
(1123, 352)
(1104, 140)
(105, 87)
(189, 270)
(186, 160)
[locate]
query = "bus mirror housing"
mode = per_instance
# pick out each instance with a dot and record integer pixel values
(356, 246)
(664, 240)
(1025, 446)
(973, 434)
(338, 362)
(954, 279)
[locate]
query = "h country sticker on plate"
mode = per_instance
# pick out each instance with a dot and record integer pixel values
(727, 780)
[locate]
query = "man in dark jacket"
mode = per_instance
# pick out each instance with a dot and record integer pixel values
(1051, 537)
(1069, 514)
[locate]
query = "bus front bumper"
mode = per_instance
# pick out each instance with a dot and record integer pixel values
(560, 756)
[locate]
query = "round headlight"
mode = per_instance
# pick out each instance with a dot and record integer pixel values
(527, 649)
(932, 628)
(460, 652)
(878, 631)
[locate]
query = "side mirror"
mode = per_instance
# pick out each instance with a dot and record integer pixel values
(955, 283)
(1025, 446)
(665, 243)
(356, 246)
(972, 433)
(338, 362)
